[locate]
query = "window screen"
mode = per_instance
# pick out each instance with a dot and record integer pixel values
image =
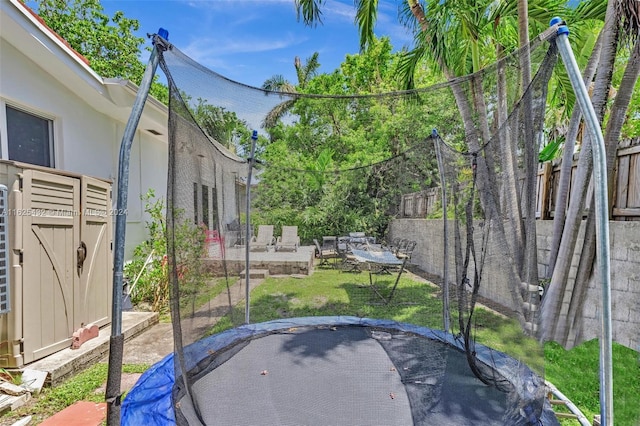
(30, 138)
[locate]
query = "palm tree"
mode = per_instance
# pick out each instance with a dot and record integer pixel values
(430, 41)
(278, 83)
(622, 22)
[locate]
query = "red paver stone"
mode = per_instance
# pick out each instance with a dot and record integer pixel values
(82, 413)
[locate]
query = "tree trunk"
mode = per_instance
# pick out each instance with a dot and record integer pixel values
(554, 293)
(531, 147)
(559, 215)
(510, 192)
(614, 125)
(485, 172)
(523, 32)
(553, 324)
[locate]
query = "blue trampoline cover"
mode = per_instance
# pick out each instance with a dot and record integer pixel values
(149, 401)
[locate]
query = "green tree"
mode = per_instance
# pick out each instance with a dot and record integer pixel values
(313, 179)
(223, 126)
(109, 43)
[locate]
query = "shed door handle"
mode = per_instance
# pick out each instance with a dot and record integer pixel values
(81, 252)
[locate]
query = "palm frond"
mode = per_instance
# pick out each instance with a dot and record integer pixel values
(589, 10)
(277, 113)
(278, 83)
(309, 70)
(310, 11)
(541, 11)
(366, 16)
(407, 66)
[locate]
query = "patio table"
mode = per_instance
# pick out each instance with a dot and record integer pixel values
(385, 260)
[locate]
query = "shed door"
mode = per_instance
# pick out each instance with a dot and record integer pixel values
(51, 235)
(94, 303)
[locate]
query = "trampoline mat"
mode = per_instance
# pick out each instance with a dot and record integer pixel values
(340, 375)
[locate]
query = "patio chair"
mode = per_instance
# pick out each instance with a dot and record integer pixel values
(324, 254)
(391, 246)
(358, 240)
(264, 239)
(349, 262)
(234, 233)
(401, 246)
(406, 251)
(289, 240)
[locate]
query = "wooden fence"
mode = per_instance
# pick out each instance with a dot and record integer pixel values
(626, 190)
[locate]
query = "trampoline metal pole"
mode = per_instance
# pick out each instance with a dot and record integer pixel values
(602, 220)
(251, 161)
(445, 265)
(116, 341)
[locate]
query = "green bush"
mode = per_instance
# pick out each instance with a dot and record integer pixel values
(148, 273)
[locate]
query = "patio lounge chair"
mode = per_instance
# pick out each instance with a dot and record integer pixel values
(358, 240)
(289, 240)
(264, 239)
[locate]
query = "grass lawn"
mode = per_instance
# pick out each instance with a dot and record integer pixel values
(84, 386)
(575, 374)
(331, 292)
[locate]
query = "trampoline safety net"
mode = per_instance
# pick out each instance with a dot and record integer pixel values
(349, 338)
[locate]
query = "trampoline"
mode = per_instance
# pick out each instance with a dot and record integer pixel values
(334, 371)
(349, 370)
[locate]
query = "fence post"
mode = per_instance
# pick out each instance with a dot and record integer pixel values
(545, 190)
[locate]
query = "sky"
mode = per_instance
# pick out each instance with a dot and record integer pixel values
(250, 41)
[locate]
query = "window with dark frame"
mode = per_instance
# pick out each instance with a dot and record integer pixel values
(29, 137)
(195, 203)
(205, 205)
(214, 215)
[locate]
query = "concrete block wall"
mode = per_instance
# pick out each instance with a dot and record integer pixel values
(625, 272)
(625, 290)
(625, 283)
(429, 256)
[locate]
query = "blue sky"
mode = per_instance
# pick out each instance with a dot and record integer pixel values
(251, 40)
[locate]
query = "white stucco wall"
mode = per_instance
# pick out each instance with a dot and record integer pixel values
(148, 170)
(86, 141)
(83, 139)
